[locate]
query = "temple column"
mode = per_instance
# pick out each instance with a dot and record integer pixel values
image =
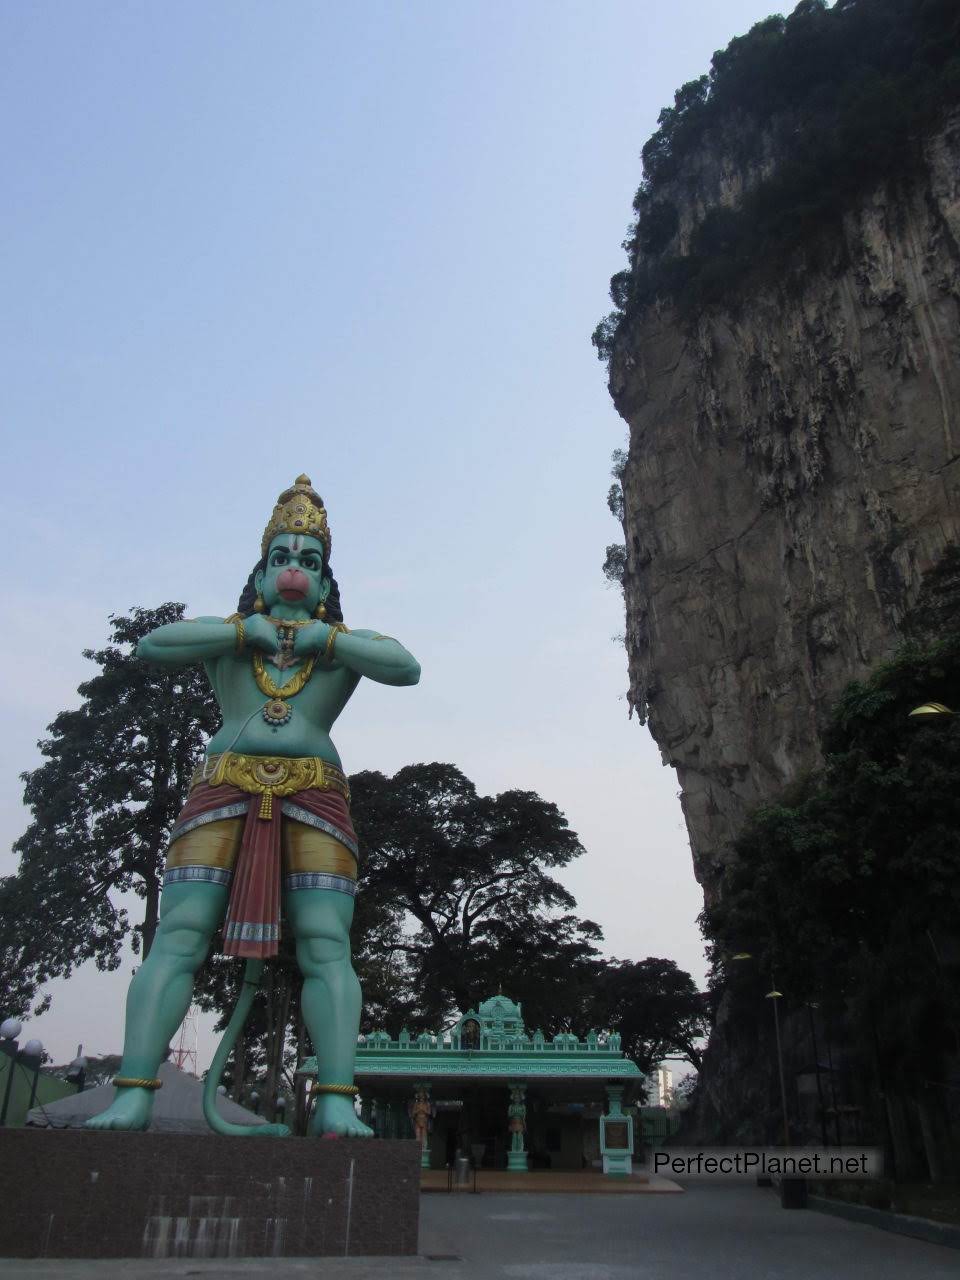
(517, 1125)
(616, 1136)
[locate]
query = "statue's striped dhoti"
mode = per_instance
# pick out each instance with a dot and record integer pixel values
(250, 819)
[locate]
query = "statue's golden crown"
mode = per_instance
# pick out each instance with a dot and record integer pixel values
(299, 509)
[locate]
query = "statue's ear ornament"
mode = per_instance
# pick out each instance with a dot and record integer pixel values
(300, 510)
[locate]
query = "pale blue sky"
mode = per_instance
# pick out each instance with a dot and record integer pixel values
(243, 240)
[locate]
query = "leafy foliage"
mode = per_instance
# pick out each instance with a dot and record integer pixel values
(849, 890)
(456, 900)
(847, 92)
(473, 902)
(116, 774)
(655, 1006)
(615, 562)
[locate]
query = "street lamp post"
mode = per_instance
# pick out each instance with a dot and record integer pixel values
(279, 1108)
(816, 1067)
(31, 1054)
(930, 711)
(776, 995)
(9, 1031)
(793, 1191)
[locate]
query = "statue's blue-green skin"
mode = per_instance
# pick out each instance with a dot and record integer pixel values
(191, 912)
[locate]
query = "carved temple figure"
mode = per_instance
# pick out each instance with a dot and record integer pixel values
(517, 1118)
(267, 821)
(420, 1112)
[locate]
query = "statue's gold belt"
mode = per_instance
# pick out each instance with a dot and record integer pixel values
(270, 776)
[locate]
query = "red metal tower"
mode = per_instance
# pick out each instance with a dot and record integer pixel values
(184, 1055)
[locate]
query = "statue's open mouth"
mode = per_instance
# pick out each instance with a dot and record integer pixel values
(292, 585)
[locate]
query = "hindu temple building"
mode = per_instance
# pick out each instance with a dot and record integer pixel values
(487, 1089)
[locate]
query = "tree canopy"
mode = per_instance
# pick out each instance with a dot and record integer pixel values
(848, 889)
(473, 902)
(656, 1008)
(116, 775)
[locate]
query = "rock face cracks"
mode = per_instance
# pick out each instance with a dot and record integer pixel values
(793, 471)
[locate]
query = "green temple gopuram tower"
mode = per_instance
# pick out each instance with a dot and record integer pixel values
(505, 1098)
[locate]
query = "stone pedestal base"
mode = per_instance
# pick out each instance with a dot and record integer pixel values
(517, 1161)
(77, 1194)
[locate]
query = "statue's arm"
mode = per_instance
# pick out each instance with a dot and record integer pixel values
(179, 643)
(380, 658)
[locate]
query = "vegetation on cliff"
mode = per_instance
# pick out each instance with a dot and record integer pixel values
(846, 93)
(848, 890)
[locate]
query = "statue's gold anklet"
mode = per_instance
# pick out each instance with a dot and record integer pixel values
(134, 1082)
(347, 1089)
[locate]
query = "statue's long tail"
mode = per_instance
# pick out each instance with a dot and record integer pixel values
(251, 981)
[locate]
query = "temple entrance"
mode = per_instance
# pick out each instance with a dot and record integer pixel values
(559, 1135)
(473, 1125)
(509, 1101)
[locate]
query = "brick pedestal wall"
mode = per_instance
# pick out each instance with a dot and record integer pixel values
(74, 1194)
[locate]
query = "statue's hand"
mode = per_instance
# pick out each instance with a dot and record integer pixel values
(311, 640)
(260, 634)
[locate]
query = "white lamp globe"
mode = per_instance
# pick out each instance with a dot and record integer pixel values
(33, 1049)
(10, 1028)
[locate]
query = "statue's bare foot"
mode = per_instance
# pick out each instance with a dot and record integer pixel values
(130, 1109)
(335, 1115)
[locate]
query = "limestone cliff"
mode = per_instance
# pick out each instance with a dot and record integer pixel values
(793, 470)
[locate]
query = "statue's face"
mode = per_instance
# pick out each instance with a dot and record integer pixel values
(294, 573)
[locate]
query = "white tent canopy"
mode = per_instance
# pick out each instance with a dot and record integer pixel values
(177, 1107)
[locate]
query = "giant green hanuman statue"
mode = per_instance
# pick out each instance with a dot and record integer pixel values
(268, 815)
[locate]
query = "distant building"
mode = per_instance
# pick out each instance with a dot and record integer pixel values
(497, 1094)
(660, 1087)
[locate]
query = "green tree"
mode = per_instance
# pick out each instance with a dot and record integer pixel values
(116, 773)
(615, 562)
(654, 1005)
(471, 904)
(849, 888)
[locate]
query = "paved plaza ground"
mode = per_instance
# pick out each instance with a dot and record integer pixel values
(710, 1233)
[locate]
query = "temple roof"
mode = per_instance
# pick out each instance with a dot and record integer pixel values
(490, 1043)
(498, 1009)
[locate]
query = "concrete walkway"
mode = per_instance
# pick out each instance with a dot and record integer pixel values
(710, 1233)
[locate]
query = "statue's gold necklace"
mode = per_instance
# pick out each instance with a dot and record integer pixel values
(286, 636)
(277, 711)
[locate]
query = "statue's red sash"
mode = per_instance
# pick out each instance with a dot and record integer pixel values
(252, 924)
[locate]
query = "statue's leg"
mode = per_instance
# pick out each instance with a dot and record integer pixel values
(160, 994)
(330, 1000)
